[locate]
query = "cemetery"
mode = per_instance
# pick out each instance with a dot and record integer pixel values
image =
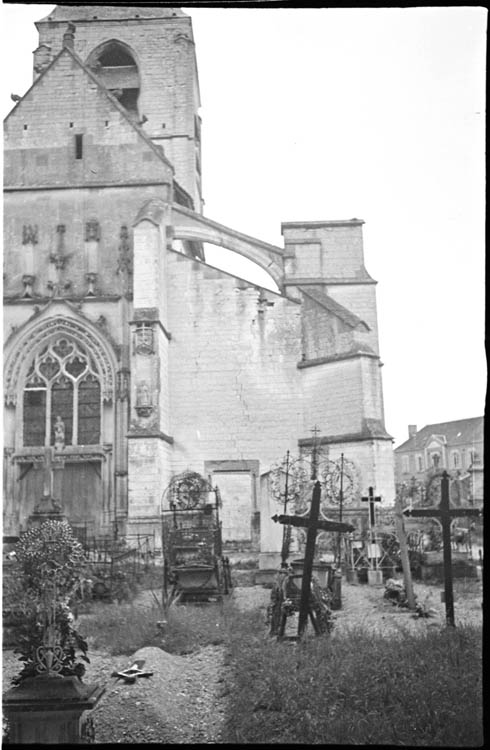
(197, 650)
(186, 558)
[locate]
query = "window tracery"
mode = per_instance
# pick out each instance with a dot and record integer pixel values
(62, 381)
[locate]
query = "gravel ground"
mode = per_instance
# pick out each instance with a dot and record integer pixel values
(185, 700)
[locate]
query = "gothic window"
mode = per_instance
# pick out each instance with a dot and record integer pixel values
(114, 64)
(62, 382)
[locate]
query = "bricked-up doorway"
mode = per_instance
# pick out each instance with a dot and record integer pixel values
(239, 514)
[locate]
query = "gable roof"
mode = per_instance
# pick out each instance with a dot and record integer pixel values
(334, 307)
(459, 432)
(158, 150)
(108, 12)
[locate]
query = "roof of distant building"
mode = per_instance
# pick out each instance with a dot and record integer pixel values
(458, 432)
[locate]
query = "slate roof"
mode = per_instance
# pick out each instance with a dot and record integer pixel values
(334, 307)
(459, 432)
(87, 12)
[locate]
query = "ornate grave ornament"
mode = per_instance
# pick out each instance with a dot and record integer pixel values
(291, 486)
(187, 490)
(340, 480)
(144, 339)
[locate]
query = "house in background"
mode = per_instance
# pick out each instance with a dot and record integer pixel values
(454, 446)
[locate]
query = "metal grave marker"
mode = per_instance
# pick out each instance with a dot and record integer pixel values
(313, 524)
(445, 514)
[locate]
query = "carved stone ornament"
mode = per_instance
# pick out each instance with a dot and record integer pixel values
(144, 406)
(41, 333)
(91, 279)
(144, 339)
(29, 234)
(28, 281)
(92, 231)
(122, 387)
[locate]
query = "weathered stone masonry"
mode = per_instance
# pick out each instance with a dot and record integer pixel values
(164, 362)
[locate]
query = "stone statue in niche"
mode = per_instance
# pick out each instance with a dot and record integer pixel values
(59, 433)
(144, 405)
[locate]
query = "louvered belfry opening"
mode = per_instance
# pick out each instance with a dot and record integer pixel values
(116, 67)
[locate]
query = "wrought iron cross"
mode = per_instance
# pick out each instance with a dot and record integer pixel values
(313, 524)
(371, 500)
(445, 514)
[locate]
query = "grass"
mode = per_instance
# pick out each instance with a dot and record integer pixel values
(356, 689)
(349, 688)
(123, 629)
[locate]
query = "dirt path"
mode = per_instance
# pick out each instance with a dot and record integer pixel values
(185, 701)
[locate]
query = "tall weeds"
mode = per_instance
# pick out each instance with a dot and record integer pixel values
(357, 689)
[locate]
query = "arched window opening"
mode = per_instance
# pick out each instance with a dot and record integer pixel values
(115, 66)
(62, 384)
(115, 56)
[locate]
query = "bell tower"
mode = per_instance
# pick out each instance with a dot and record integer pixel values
(146, 57)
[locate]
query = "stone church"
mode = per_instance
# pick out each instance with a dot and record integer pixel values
(128, 359)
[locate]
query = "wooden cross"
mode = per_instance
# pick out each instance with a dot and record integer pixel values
(313, 524)
(445, 514)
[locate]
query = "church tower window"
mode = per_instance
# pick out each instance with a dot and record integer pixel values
(62, 384)
(115, 66)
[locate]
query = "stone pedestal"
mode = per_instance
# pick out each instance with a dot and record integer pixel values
(48, 710)
(47, 509)
(351, 575)
(375, 577)
(336, 602)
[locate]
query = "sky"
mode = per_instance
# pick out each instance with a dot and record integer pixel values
(321, 114)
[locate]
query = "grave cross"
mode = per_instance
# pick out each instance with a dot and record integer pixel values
(445, 514)
(371, 500)
(314, 453)
(313, 524)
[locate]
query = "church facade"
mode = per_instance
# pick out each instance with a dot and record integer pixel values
(128, 359)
